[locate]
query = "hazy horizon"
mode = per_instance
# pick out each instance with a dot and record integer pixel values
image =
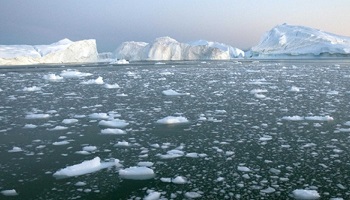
(237, 23)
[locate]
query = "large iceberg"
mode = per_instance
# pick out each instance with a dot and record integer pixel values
(287, 40)
(166, 48)
(63, 51)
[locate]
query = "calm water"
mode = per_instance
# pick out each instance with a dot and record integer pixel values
(286, 122)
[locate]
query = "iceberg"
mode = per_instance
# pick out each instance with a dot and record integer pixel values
(63, 51)
(167, 48)
(288, 40)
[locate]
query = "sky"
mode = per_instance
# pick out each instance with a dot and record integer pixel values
(237, 23)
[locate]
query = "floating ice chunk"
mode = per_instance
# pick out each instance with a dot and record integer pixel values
(112, 131)
(171, 92)
(111, 86)
(37, 116)
(98, 116)
(294, 89)
(30, 126)
(173, 154)
(347, 123)
(179, 180)
(259, 96)
(64, 142)
(265, 138)
(119, 62)
(173, 120)
(31, 89)
(319, 118)
(82, 152)
(256, 91)
(9, 192)
(52, 77)
(309, 145)
(268, 190)
(137, 173)
(98, 81)
(243, 169)
(80, 184)
(116, 123)
(69, 121)
(86, 167)
(192, 195)
(145, 164)
(152, 196)
(293, 118)
(73, 74)
(58, 128)
(122, 144)
(165, 180)
(192, 155)
(89, 148)
(305, 194)
(15, 149)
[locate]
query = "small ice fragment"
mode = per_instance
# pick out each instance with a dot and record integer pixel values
(69, 121)
(152, 196)
(15, 149)
(305, 194)
(243, 169)
(179, 180)
(9, 192)
(89, 148)
(173, 120)
(37, 116)
(112, 131)
(192, 195)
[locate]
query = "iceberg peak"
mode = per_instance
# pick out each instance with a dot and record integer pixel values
(291, 40)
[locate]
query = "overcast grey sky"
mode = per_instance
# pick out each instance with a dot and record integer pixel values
(110, 22)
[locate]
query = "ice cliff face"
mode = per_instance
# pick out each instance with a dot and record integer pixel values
(286, 40)
(63, 51)
(166, 48)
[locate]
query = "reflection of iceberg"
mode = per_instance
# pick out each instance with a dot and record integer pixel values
(63, 51)
(166, 48)
(286, 40)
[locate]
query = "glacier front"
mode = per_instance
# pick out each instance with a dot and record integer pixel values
(290, 41)
(63, 51)
(166, 48)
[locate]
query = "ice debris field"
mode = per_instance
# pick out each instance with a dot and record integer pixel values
(176, 130)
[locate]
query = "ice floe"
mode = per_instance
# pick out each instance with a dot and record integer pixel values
(86, 167)
(12, 192)
(301, 194)
(137, 173)
(112, 131)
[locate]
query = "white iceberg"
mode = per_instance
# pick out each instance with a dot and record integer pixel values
(112, 131)
(171, 92)
(137, 173)
(52, 77)
(166, 48)
(116, 123)
(74, 74)
(86, 167)
(98, 81)
(63, 51)
(37, 116)
(287, 40)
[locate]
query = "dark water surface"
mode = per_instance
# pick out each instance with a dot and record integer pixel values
(286, 122)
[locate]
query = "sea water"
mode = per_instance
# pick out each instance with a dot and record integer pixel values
(176, 130)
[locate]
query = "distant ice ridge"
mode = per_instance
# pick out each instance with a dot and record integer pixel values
(287, 40)
(166, 48)
(63, 51)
